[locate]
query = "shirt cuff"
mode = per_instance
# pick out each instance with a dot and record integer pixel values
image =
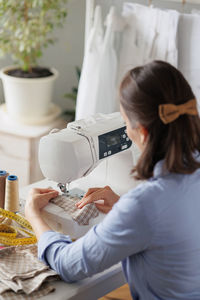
(49, 238)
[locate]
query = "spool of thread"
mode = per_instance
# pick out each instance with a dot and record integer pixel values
(12, 194)
(3, 175)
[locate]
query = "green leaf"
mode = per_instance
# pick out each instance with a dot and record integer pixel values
(75, 90)
(70, 96)
(78, 72)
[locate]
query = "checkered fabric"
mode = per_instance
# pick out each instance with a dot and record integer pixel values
(81, 216)
(44, 290)
(22, 275)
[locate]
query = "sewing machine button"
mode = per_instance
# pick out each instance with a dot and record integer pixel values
(105, 154)
(109, 152)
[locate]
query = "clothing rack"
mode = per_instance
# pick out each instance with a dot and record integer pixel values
(90, 4)
(185, 1)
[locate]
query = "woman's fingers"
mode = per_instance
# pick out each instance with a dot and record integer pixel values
(89, 192)
(98, 195)
(95, 194)
(41, 191)
(103, 208)
(48, 190)
(49, 195)
(43, 199)
(92, 190)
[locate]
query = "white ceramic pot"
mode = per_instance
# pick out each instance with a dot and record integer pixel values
(28, 98)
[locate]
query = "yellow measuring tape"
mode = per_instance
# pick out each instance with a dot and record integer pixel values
(8, 233)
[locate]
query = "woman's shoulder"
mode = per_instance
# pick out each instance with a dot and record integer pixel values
(153, 197)
(150, 197)
(139, 200)
(145, 190)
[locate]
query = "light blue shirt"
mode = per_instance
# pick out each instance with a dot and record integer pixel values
(154, 230)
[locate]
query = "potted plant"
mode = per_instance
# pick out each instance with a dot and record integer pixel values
(25, 30)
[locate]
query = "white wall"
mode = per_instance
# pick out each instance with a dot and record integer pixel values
(68, 50)
(66, 53)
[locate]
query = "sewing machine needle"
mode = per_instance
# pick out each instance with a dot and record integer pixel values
(67, 189)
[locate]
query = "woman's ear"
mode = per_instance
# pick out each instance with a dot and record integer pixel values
(143, 134)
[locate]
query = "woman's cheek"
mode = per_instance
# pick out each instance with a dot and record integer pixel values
(132, 134)
(135, 137)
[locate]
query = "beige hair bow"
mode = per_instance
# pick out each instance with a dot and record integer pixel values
(170, 112)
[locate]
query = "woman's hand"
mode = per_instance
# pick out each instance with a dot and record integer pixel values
(37, 200)
(95, 194)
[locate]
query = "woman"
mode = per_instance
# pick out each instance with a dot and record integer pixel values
(155, 228)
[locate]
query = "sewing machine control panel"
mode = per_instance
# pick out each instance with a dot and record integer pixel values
(113, 142)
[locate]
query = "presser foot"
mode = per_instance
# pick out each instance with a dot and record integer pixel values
(64, 187)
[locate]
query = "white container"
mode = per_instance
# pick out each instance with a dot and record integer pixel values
(27, 97)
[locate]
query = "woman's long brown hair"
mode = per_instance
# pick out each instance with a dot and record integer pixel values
(141, 92)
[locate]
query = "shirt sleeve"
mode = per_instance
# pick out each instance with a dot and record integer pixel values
(125, 231)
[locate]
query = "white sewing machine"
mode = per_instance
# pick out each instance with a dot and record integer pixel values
(90, 152)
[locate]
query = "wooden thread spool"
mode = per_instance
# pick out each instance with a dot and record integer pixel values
(12, 194)
(3, 175)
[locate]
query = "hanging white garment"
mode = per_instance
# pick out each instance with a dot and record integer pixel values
(106, 94)
(151, 34)
(165, 45)
(195, 12)
(133, 41)
(97, 87)
(189, 50)
(89, 74)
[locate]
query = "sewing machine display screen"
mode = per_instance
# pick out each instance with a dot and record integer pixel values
(113, 142)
